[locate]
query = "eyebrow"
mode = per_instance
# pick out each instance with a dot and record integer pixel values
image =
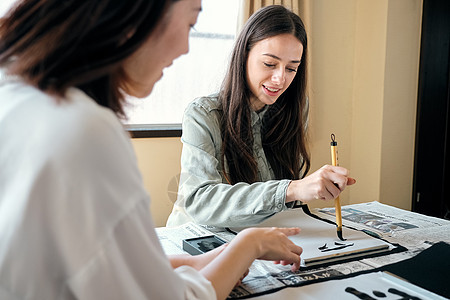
(276, 57)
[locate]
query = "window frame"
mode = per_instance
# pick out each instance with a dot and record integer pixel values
(170, 129)
(153, 130)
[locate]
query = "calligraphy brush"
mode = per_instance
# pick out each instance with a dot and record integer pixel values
(337, 203)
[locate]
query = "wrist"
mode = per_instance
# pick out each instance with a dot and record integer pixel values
(249, 242)
(290, 192)
(294, 191)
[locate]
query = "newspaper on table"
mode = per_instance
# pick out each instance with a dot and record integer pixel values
(383, 220)
(414, 231)
(171, 238)
(264, 276)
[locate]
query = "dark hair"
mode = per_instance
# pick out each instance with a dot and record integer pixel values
(56, 44)
(284, 123)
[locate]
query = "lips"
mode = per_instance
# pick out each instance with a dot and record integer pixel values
(271, 91)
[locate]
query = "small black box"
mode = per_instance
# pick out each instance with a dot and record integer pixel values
(199, 245)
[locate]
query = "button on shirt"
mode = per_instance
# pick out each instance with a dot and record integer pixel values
(204, 196)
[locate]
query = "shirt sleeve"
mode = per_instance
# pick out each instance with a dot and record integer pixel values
(203, 192)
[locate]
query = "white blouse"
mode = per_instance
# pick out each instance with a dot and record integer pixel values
(74, 219)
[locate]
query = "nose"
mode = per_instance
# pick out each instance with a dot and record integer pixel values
(279, 76)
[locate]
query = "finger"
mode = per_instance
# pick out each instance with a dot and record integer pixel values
(339, 170)
(290, 230)
(334, 174)
(294, 260)
(351, 181)
(295, 267)
(332, 191)
(339, 180)
(297, 250)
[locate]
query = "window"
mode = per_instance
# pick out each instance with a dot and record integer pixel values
(199, 73)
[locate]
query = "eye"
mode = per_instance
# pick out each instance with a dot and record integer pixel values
(269, 65)
(291, 70)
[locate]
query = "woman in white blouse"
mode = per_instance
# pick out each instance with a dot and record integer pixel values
(74, 220)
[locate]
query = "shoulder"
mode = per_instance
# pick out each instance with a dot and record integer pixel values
(207, 104)
(201, 120)
(90, 118)
(94, 128)
(58, 126)
(204, 110)
(81, 120)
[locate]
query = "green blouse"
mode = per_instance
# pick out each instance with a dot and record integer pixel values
(204, 196)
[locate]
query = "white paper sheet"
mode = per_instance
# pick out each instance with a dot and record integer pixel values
(374, 286)
(318, 234)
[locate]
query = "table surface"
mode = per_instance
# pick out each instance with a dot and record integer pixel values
(414, 231)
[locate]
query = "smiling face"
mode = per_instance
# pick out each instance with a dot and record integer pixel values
(271, 66)
(169, 40)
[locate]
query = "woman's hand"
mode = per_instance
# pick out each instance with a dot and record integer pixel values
(273, 244)
(228, 267)
(325, 184)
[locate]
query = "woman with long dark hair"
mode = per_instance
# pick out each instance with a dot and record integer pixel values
(245, 153)
(74, 214)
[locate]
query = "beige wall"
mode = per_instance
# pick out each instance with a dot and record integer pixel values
(363, 88)
(364, 65)
(159, 161)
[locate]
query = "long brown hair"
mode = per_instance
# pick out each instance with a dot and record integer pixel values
(56, 44)
(284, 123)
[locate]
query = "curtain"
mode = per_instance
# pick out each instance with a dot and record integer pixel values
(300, 7)
(248, 7)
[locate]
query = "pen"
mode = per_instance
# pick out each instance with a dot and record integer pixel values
(337, 204)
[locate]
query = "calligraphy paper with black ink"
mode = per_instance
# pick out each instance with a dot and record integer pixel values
(370, 286)
(319, 240)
